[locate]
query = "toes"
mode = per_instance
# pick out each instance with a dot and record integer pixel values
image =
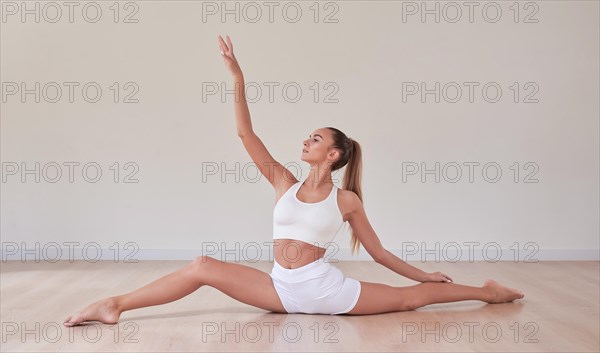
(66, 322)
(73, 320)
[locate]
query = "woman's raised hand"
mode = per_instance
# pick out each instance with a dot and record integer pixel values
(228, 56)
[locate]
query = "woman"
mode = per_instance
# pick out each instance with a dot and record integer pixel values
(307, 216)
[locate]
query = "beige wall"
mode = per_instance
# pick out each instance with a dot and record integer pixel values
(371, 57)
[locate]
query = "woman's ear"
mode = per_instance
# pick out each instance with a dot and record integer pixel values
(334, 155)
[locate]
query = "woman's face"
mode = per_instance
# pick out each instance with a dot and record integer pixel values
(316, 148)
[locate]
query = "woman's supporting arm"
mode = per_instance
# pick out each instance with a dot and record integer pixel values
(363, 230)
(401, 267)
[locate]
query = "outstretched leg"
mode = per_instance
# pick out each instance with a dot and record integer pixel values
(243, 283)
(376, 298)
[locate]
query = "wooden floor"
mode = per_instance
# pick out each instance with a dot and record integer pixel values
(560, 313)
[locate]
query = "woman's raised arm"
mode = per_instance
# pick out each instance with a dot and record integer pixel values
(242, 114)
(275, 173)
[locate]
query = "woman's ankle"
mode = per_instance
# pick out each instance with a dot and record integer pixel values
(117, 303)
(489, 294)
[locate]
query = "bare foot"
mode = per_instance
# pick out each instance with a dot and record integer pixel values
(500, 293)
(105, 311)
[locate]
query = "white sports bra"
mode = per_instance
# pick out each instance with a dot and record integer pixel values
(315, 223)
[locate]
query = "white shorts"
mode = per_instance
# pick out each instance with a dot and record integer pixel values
(315, 288)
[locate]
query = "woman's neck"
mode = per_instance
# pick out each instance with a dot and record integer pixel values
(316, 180)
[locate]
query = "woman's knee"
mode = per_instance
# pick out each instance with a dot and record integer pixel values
(201, 265)
(410, 305)
(200, 269)
(407, 299)
(203, 261)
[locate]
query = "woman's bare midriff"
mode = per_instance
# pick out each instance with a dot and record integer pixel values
(290, 253)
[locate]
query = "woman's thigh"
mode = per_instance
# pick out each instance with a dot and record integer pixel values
(243, 283)
(377, 298)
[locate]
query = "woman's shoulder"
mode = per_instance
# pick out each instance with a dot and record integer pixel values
(348, 201)
(347, 194)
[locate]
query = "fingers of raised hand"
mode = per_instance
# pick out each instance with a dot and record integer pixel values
(223, 46)
(230, 44)
(226, 49)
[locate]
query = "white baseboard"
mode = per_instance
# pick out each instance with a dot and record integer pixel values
(490, 254)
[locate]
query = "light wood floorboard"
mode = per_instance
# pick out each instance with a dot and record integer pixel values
(560, 312)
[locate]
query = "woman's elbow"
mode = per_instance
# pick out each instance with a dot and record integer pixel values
(380, 256)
